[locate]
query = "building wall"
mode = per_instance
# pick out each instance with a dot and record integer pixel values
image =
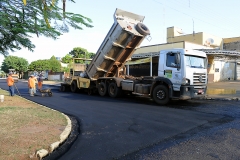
(190, 45)
(221, 71)
(158, 47)
(55, 77)
(229, 40)
(232, 46)
(173, 35)
(196, 38)
(218, 41)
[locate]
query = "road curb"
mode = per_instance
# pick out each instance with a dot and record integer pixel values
(63, 136)
(223, 99)
(40, 154)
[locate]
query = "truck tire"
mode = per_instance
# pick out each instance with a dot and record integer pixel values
(74, 86)
(89, 91)
(50, 94)
(63, 88)
(113, 90)
(102, 89)
(142, 29)
(161, 95)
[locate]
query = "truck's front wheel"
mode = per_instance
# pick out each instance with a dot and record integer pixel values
(102, 89)
(160, 95)
(74, 86)
(63, 88)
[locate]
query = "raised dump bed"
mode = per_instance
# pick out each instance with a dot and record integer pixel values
(125, 35)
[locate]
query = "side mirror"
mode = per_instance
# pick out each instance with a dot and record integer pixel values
(177, 58)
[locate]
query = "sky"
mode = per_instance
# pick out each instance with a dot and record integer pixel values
(216, 17)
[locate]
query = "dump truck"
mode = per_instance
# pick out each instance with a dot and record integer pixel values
(178, 75)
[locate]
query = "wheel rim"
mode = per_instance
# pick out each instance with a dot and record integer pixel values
(89, 92)
(112, 90)
(144, 27)
(101, 88)
(161, 94)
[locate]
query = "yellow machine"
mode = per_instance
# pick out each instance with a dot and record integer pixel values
(76, 81)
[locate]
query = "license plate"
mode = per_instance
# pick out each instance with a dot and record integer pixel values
(200, 91)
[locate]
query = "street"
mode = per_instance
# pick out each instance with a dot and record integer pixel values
(137, 128)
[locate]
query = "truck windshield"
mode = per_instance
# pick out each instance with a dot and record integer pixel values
(195, 61)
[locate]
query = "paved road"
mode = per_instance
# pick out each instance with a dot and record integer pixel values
(112, 128)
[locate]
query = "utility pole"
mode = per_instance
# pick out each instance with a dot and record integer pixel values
(193, 31)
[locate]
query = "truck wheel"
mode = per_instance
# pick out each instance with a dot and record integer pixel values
(50, 94)
(102, 89)
(89, 91)
(74, 86)
(142, 29)
(63, 88)
(160, 95)
(113, 90)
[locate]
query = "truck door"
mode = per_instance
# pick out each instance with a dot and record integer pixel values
(172, 69)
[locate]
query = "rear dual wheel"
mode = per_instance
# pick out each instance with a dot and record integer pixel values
(113, 90)
(102, 89)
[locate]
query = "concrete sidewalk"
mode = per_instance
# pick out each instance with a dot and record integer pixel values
(226, 90)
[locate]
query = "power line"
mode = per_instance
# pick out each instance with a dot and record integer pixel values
(200, 11)
(194, 17)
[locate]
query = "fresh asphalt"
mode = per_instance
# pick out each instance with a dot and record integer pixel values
(111, 128)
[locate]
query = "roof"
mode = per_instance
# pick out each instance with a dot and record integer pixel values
(220, 52)
(207, 51)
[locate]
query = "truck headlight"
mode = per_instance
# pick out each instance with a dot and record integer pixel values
(185, 81)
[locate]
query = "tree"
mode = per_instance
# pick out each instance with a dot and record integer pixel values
(55, 65)
(19, 20)
(39, 65)
(79, 52)
(13, 62)
(91, 55)
(67, 58)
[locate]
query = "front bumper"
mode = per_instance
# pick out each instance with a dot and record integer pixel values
(189, 92)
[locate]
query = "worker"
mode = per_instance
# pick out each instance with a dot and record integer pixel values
(10, 83)
(40, 81)
(35, 84)
(31, 85)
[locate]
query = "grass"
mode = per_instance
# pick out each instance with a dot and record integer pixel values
(27, 127)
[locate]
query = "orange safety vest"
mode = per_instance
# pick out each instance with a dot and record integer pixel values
(10, 81)
(31, 82)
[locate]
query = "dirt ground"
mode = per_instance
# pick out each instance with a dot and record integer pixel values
(27, 127)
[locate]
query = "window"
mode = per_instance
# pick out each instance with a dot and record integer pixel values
(195, 61)
(171, 60)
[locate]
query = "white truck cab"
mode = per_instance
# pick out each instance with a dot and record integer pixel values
(187, 71)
